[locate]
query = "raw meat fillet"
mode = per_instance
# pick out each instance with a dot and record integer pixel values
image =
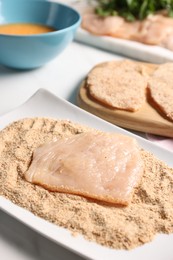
(96, 25)
(102, 166)
(114, 26)
(154, 30)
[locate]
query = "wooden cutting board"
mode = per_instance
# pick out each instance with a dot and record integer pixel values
(147, 119)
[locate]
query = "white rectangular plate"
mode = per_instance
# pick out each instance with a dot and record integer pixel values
(131, 49)
(45, 104)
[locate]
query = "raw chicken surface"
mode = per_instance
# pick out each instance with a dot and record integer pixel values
(97, 25)
(102, 166)
(112, 25)
(155, 30)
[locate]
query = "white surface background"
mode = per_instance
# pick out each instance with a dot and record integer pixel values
(61, 76)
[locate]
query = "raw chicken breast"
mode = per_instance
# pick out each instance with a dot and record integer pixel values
(114, 26)
(154, 30)
(102, 166)
(127, 30)
(101, 26)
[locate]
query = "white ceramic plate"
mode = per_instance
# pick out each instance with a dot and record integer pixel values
(45, 104)
(131, 49)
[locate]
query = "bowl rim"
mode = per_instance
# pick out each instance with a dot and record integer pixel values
(47, 34)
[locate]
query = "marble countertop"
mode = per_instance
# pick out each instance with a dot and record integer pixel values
(62, 77)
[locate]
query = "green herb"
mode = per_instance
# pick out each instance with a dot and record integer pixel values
(133, 9)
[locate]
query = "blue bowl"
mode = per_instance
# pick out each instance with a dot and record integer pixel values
(32, 51)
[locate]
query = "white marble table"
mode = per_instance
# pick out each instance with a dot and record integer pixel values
(62, 77)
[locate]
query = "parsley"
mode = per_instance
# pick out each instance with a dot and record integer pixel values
(133, 9)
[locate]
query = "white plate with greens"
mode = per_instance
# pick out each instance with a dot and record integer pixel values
(130, 10)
